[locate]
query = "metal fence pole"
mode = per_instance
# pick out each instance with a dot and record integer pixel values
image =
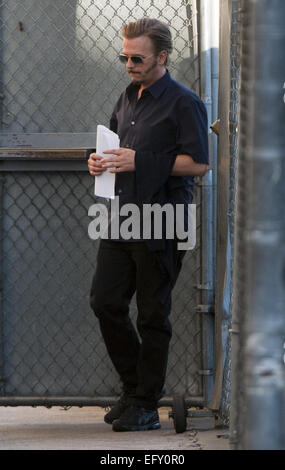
(209, 24)
(1, 73)
(260, 227)
(222, 195)
(206, 182)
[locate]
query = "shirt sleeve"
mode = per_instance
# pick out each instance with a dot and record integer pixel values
(88, 153)
(113, 122)
(113, 125)
(192, 131)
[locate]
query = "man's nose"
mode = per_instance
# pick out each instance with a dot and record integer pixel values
(129, 63)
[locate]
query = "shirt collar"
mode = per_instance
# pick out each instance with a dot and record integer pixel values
(156, 89)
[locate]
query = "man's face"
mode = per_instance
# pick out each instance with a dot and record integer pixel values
(146, 72)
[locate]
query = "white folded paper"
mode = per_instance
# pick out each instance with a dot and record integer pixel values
(105, 183)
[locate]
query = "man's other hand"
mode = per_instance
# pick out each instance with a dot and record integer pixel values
(95, 164)
(123, 160)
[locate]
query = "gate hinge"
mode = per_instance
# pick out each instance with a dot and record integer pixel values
(203, 286)
(205, 308)
(205, 372)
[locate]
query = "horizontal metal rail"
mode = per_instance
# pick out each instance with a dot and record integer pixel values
(42, 154)
(39, 140)
(85, 401)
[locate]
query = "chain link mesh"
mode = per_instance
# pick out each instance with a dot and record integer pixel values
(259, 265)
(52, 342)
(59, 62)
(233, 145)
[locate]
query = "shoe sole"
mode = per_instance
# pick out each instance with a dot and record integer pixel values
(109, 420)
(146, 427)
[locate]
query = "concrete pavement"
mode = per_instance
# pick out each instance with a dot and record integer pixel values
(27, 428)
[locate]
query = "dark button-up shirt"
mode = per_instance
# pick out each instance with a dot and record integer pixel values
(167, 118)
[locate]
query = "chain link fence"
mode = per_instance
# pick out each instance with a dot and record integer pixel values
(60, 74)
(258, 373)
(51, 341)
(235, 58)
(59, 60)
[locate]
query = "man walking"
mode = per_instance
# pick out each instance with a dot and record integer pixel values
(163, 133)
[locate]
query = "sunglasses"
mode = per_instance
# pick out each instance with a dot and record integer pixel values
(135, 59)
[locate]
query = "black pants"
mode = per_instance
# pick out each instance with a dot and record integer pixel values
(124, 268)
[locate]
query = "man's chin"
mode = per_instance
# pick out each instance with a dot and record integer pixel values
(135, 79)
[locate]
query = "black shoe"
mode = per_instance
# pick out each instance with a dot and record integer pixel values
(116, 411)
(136, 418)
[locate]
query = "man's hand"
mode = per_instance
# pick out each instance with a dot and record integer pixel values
(95, 164)
(124, 160)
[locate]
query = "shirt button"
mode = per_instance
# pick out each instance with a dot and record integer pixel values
(120, 191)
(133, 123)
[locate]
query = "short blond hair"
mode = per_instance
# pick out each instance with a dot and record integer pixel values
(156, 30)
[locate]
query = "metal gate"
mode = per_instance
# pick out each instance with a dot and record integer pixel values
(59, 78)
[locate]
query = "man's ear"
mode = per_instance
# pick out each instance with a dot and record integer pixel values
(162, 57)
